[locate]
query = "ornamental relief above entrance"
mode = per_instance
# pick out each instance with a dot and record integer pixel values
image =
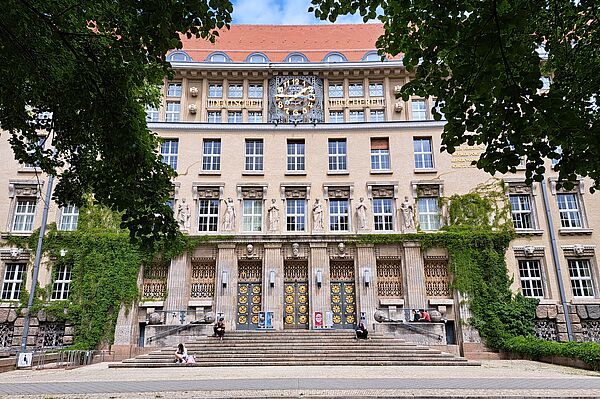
(296, 99)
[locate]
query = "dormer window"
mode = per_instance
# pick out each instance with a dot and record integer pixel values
(371, 56)
(179, 56)
(296, 58)
(218, 57)
(335, 57)
(257, 58)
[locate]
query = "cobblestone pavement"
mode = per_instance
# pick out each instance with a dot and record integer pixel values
(494, 379)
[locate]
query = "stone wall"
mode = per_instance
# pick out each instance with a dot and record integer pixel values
(550, 323)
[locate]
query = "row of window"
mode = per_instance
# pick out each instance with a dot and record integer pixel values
(569, 207)
(533, 284)
(14, 275)
(24, 214)
(260, 58)
(296, 152)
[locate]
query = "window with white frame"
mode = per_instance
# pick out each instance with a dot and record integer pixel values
(218, 58)
(214, 117)
(13, 279)
(173, 111)
(569, 210)
(215, 90)
(530, 274)
(376, 89)
(295, 214)
(337, 155)
(24, 214)
(339, 217)
(380, 153)
(296, 58)
(235, 91)
(254, 155)
(69, 217)
(355, 90)
(208, 214)
(257, 59)
(581, 277)
(295, 155)
(252, 215)
(336, 116)
(383, 214)
(377, 116)
(429, 214)
(234, 117)
(255, 90)
(62, 282)
(255, 117)
(168, 151)
(336, 90)
(211, 155)
(335, 58)
(174, 90)
(423, 153)
(522, 215)
(357, 116)
(151, 113)
(419, 110)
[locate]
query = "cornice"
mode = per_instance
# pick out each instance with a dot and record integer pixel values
(284, 66)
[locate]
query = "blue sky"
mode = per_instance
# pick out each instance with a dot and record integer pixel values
(279, 12)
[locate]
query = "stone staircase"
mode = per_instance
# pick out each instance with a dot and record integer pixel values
(299, 348)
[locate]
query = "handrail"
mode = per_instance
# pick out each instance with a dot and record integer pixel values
(171, 331)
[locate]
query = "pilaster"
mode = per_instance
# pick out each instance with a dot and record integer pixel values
(416, 295)
(367, 295)
(226, 296)
(178, 288)
(273, 295)
(319, 296)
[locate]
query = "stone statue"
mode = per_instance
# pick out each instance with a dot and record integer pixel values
(318, 216)
(361, 212)
(273, 215)
(229, 219)
(408, 215)
(183, 215)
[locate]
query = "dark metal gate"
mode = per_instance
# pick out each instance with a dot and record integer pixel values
(295, 297)
(249, 294)
(343, 294)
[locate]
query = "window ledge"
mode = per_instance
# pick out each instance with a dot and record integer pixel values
(529, 232)
(547, 301)
(253, 173)
(209, 173)
(382, 172)
(587, 300)
(574, 231)
(20, 233)
(432, 170)
(338, 172)
(29, 170)
(295, 173)
(151, 304)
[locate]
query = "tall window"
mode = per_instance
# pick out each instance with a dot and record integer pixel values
(521, 211)
(429, 216)
(254, 155)
(337, 155)
(383, 214)
(581, 277)
(234, 117)
(62, 282)
(295, 214)
(255, 91)
(336, 90)
(211, 155)
(380, 154)
(377, 116)
(255, 117)
(357, 116)
(419, 112)
(151, 113)
(295, 155)
(24, 214)
(208, 214)
(336, 116)
(13, 278)
(568, 208)
(423, 154)
(68, 218)
(339, 218)
(214, 117)
(376, 89)
(173, 110)
(531, 278)
(235, 91)
(252, 215)
(174, 90)
(215, 90)
(168, 151)
(355, 90)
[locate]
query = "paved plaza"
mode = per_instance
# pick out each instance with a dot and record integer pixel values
(494, 379)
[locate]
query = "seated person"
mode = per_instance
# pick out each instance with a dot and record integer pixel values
(219, 328)
(416, 316)
(425, 315)
(361, 331)
(181, 354)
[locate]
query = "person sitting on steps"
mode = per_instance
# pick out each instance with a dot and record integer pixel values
(181, 354)
(219, 329)
(361, 331)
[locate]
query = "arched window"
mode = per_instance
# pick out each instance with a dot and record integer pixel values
(335, 57)
(179, 56)
(296, 58)
(218, 57)
(371, 56)
(257, 58)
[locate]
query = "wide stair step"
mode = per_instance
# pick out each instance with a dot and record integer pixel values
(297, 348)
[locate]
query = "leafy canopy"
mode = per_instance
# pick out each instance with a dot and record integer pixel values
(93, 65)
(484, 61)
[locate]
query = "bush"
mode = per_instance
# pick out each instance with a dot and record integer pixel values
(537, 348)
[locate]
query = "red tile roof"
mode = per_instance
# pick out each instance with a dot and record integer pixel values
(277, 41)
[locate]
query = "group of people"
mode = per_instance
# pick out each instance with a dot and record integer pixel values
(181, 355)
(420, 315)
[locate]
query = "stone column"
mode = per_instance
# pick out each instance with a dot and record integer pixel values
(273, 296)
(127, 327)
(226, 297)
(416, 296)
(366, 296)
(319, 296)
(178, 289)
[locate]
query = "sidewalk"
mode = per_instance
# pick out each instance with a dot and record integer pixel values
(500, 379)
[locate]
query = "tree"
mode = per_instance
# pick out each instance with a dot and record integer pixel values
(79, 73)
(484, 60)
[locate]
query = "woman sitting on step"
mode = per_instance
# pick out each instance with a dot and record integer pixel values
(181, 354)
(361, 331)
(219, 329)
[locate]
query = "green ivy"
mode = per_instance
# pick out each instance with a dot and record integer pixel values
(589, 352)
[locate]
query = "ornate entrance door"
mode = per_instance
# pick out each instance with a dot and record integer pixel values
(295, 297)
(249, 294)
(343, 294)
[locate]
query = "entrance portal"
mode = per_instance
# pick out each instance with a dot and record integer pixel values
(343, 294)
(249, 294)
(295, 297)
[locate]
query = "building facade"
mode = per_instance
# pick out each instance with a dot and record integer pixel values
(287, 149)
